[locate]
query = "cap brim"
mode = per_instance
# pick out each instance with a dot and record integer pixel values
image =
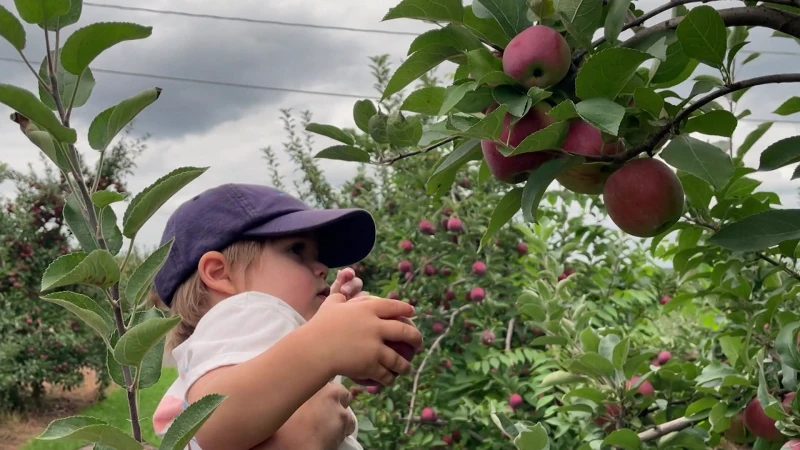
(346, 236)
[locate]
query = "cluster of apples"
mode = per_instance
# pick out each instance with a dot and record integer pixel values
(643, 196)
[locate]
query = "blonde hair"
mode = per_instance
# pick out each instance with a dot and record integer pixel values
(190, 301)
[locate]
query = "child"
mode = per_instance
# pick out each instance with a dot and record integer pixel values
(247, 274)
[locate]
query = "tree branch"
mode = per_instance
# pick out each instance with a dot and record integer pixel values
(510, 333)
(758, 16)
(662, 430)
(390, 161)
(670, 128)
(425, 360)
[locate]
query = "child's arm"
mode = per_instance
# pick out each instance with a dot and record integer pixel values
(265, 391)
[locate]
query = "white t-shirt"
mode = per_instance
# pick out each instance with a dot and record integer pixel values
(235, 330)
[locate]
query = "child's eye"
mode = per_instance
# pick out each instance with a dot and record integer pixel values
(298, 248)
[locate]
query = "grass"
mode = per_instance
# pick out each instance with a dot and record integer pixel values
(114, 410)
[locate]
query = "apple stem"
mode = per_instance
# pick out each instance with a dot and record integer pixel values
(425, 360)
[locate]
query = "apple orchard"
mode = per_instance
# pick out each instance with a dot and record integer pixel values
(545, 328)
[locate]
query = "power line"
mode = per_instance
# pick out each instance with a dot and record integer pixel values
(216, 83)
(300, 91)
(244, 19)
(324, 27)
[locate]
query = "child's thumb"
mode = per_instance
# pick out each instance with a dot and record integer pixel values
(335, 298)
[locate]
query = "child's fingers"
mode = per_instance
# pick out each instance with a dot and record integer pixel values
(394, 362)
(342, 277)
(390, 309)
(383, 375)
(352, 287)
(394, 330)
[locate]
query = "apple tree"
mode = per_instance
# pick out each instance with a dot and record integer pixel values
(602, 121)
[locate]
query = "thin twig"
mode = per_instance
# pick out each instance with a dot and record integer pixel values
(425, 360)
(394, 159)
(42, 83)
(670, 128)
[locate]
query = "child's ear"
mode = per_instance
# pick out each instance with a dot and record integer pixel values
(215, 272)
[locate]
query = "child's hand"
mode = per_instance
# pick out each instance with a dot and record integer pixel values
(355, 336)
(348, 284)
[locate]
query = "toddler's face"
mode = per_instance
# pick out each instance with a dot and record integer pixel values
(288, 269)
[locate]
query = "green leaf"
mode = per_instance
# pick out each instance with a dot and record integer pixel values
(137, 341)
(675, 69)
(780, 154)
(533, 311)
(732, 347)
(548, 138)
(602, 113)
(404, 131)
(549, 340)
(624, 439)
(789, 107)
(453, 95)
(563, 111)
(752, 138)
(533, 439)
(97, 268)
(590, 341)
(78, 223)
(189, 421)
(415, 66)
(149, 372)
(648, 100)
(496, 78)
(86, 309)
(25, 103)
(489, 127)
(512, 15)
(88, 429)
(485, 28)
(517, 101)
(148, 201)
(759, 231)
(607, 72)
(41, 11)
(11, 29)
(66, 85)
(142, 277)
(433, 10)
(537, 95)
(331, 132)
(44, 140)
(502, 214)
(593, 364)
(539, 180)
(101, 199)
(733, 51)
(481, 61)
(108, 123)
(585, 16)
(427, 101)
(786, 345)
(87, 43)
(377, 128)
(702, 35)
(111, 232)
(699, 158)
(363, 110)
(615, 19)
(456, 36)
(476, 101)
(71, 17)
(560, 378)
(465, 152)
(716, 123)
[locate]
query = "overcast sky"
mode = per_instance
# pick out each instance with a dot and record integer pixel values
(224, 127)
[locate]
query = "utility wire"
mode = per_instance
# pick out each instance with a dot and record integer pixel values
(324, 27)
(300, 91)
(244, 19)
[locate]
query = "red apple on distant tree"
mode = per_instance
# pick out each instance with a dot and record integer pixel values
(393, 295)
(586, 140)
(515, 401)
(428, 414)
(644, 197)
(665, 299)
(608, 421)
(426, 227)
(449, 295)
(487, 337)
(448, 364)
(406, 245)
(646, 388)
(446, 272)
(404, 266)
(477, 294)
(664, 357)
(538, 56)
(479, 268)
(438, 327)
(514, 169)
(409, 276)
(454, 224)
(430, 270)
(447, 439)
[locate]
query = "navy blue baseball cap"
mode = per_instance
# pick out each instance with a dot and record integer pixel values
(232, 212)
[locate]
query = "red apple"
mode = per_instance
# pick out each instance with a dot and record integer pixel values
(477, 294)
(665, 299)
(449, 295)
(448, 364)
(515, 401)
(447, 439)
(426, 227)
(374, 389)
(608, 421)
(454, 224)
(646, 388)
(736, 432)
(584, 139)
(428, 414)
(644, 197)
(404, 266)
(487, 337)
(393, 295)
(538, 56)
(438, 328)
(759, 423)
(664, 357)
(406, 245)
(522, 248)
(479, 268)
(514, 169)
(794, 444)
(430, 270)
